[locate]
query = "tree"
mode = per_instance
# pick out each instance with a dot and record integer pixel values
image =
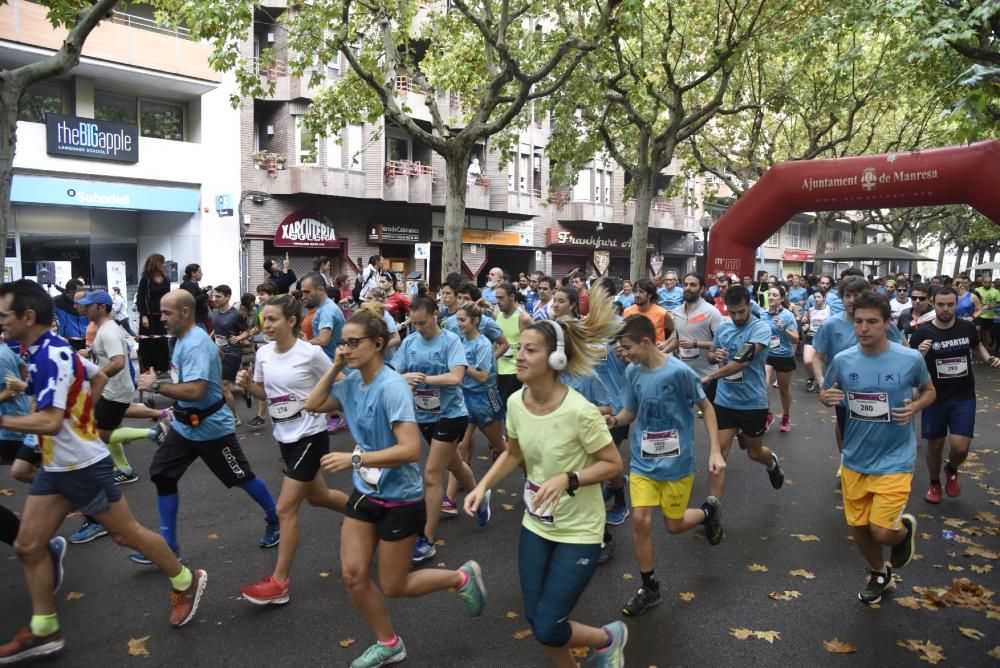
(80, 18)
(496, 55)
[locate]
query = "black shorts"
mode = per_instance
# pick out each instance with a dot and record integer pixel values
(782, 364)
(393, 523)
(985, 323)
(109, 414)
(230, 365)
(223, 456)
(9, 450)
(508, 384)
(302, 457)
(807, 339)
(30, 455)
(752, 422)
(710, 389)
(619, 434)
(841, 412)
(446, 430)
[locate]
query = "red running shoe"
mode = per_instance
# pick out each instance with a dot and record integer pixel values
(185, 603)
(26, 645)
(267, 591)
(933, 494)
(951, 484)
(786, 424)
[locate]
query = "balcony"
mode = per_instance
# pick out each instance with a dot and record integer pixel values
(525, 203)
(407, 181)
(568, 210)
(661, 215)
(124, 38)
(311, 179)
(477, 194)
(412, 97)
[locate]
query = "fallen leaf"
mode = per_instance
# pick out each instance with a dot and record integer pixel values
(802, 573)
(839, 647)
(763, 537)
(976, 568)
(963, 593)
(994, 653)
(521, 635)
(953, 522)
(973, 551)
(925, 516)
(687, 596)
(987, 517)
(627, 576)
(804, 537)
(500, 490)
(955, 569)
(740, 634)
(757, 568)
(926, 536)
(928, 651)
(952, 554)
(440, 542)
(783, 595)
(440, 564)
(910, 602)
(347, 642)
(973, 634)
(511, 615)
(508, 506)
(769, 636)
(6, 492)
(137, 646)
(324, 574)
(213, 536)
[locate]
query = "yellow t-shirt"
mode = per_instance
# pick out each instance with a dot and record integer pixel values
(554, 444)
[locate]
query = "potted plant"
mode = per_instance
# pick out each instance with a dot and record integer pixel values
(280, 160)
(260, 159)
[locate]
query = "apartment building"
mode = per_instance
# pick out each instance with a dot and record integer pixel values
(370, 189)
(133, 152)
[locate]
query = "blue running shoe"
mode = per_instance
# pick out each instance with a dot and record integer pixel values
(137, 557)
(483, 512)
(473, 592)
(612, 656)
(381, 655)
(423, 550)
(272, 535)
(607, 492)
(88, 532)
(57, 548)
(618, 515)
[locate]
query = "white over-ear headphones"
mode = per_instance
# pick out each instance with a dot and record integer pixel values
(557, 358)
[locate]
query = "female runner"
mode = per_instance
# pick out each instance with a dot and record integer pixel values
(781, 351)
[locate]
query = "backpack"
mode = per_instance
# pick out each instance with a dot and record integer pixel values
(356, 292)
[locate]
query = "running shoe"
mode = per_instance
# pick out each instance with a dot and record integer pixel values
(423, 550)
(381, 655)
(770, 421)
(774, 383)
(57, 549)
(786, 424)
(484, 513)
(137, 557)
(606, 492)
(810, 384)
(877, 584)
(257, 421)
(239, 423)
(125, 476)
(903, 551)
(641, 601)
(267, 591)
(448, 507)
(933, 494)
(473, 592)
(607, 551)
(88, 532)
(713, 520)
(26, 645)
(741, 440)
(158, 432)
(951, 484)
(618, 515)
(272, 535)
(776, 475)
(185, 603)
(612, 656)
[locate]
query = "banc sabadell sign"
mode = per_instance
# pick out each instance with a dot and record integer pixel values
(76, 137)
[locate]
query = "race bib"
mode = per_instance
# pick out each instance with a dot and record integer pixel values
(735, 378)
(371, 475)
(660, 444)
(429, 400)
(774, 343)
(221, 341)
(952, 367)
(530, 490)
(285, 408)
(689, 353)
(600, 351)
(869, 406)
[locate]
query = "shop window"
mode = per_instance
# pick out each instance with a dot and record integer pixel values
(41, 99)
(116, 108)
(161, 120)
(305, 143)
(355, 145)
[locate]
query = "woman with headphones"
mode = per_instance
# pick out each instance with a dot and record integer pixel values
(563, 444)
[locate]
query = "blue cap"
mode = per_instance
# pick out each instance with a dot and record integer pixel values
(96, 297)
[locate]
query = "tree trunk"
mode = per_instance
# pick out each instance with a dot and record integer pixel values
(959, 252)
(857, 239)
(982, 255)
(644, 183)
(940, 262)
(10, 97)
(456, 166)
(822, 231)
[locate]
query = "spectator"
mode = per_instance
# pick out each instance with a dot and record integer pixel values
(72, 324)
(283, 279)
(154, 353)
(370, 276)
(192, 275)
(396, 303)
(119, 310)
(321, 266)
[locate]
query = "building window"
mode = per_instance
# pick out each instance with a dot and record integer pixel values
(334, 152)
(161, 120)
(397, 148)
(581, 191)
(355, 145)
(797, 235)
(522, 173)
(40, 99)
(116, 108)
(774, 240)
(305, 143)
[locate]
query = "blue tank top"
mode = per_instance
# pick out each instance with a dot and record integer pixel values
(965, 309)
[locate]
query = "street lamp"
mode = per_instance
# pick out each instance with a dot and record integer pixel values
(706, 224)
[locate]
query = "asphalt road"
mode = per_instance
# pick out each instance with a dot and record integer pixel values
(106, 601)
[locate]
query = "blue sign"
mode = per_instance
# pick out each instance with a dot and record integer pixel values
(89, 138)
(102, 194)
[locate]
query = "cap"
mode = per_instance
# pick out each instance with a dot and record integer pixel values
(96, 297)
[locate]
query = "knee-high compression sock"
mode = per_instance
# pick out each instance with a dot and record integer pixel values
(168, 505)
(9, 524)
(258, 492)
(121, 436)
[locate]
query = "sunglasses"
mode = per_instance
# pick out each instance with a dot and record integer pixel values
(918, 299)
(355, 341)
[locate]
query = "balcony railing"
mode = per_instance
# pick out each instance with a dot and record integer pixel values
(142, 23)
(394, 168)
(276, 69)
(406, 85)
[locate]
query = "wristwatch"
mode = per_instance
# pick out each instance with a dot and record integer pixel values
(356, 460)
(574, 482)
(155, 386)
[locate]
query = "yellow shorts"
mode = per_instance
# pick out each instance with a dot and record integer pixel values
(671, 497)
(875, 499)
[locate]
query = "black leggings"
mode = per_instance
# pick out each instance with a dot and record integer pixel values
(9, 524)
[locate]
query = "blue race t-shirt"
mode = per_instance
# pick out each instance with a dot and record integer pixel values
(671, 298)
(837, 334)
(432, 358)
(589, 386)
(746, 389)
(489, 294)
(11, 365)
(329, 316)
(611, 370)
(197, 358)
(797, 295)
(873, 385)
(663, 435)
(488, 327)
(780, 345)
(479, 355)
(371, 412)
(625, 300)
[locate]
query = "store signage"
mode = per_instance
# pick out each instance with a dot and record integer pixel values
(491, 237)
(395, 232)
(656, 264)
(305, 229)
(28, 189)
(77, 137)
(798, 255)
(562, 237)
(602, 260)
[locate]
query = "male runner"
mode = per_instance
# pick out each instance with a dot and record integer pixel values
(511, 318)
(227, 325)
(696, 322)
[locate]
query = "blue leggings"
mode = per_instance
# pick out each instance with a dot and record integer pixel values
(553, 576)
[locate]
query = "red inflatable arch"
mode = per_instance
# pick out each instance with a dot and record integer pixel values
(952, 175)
